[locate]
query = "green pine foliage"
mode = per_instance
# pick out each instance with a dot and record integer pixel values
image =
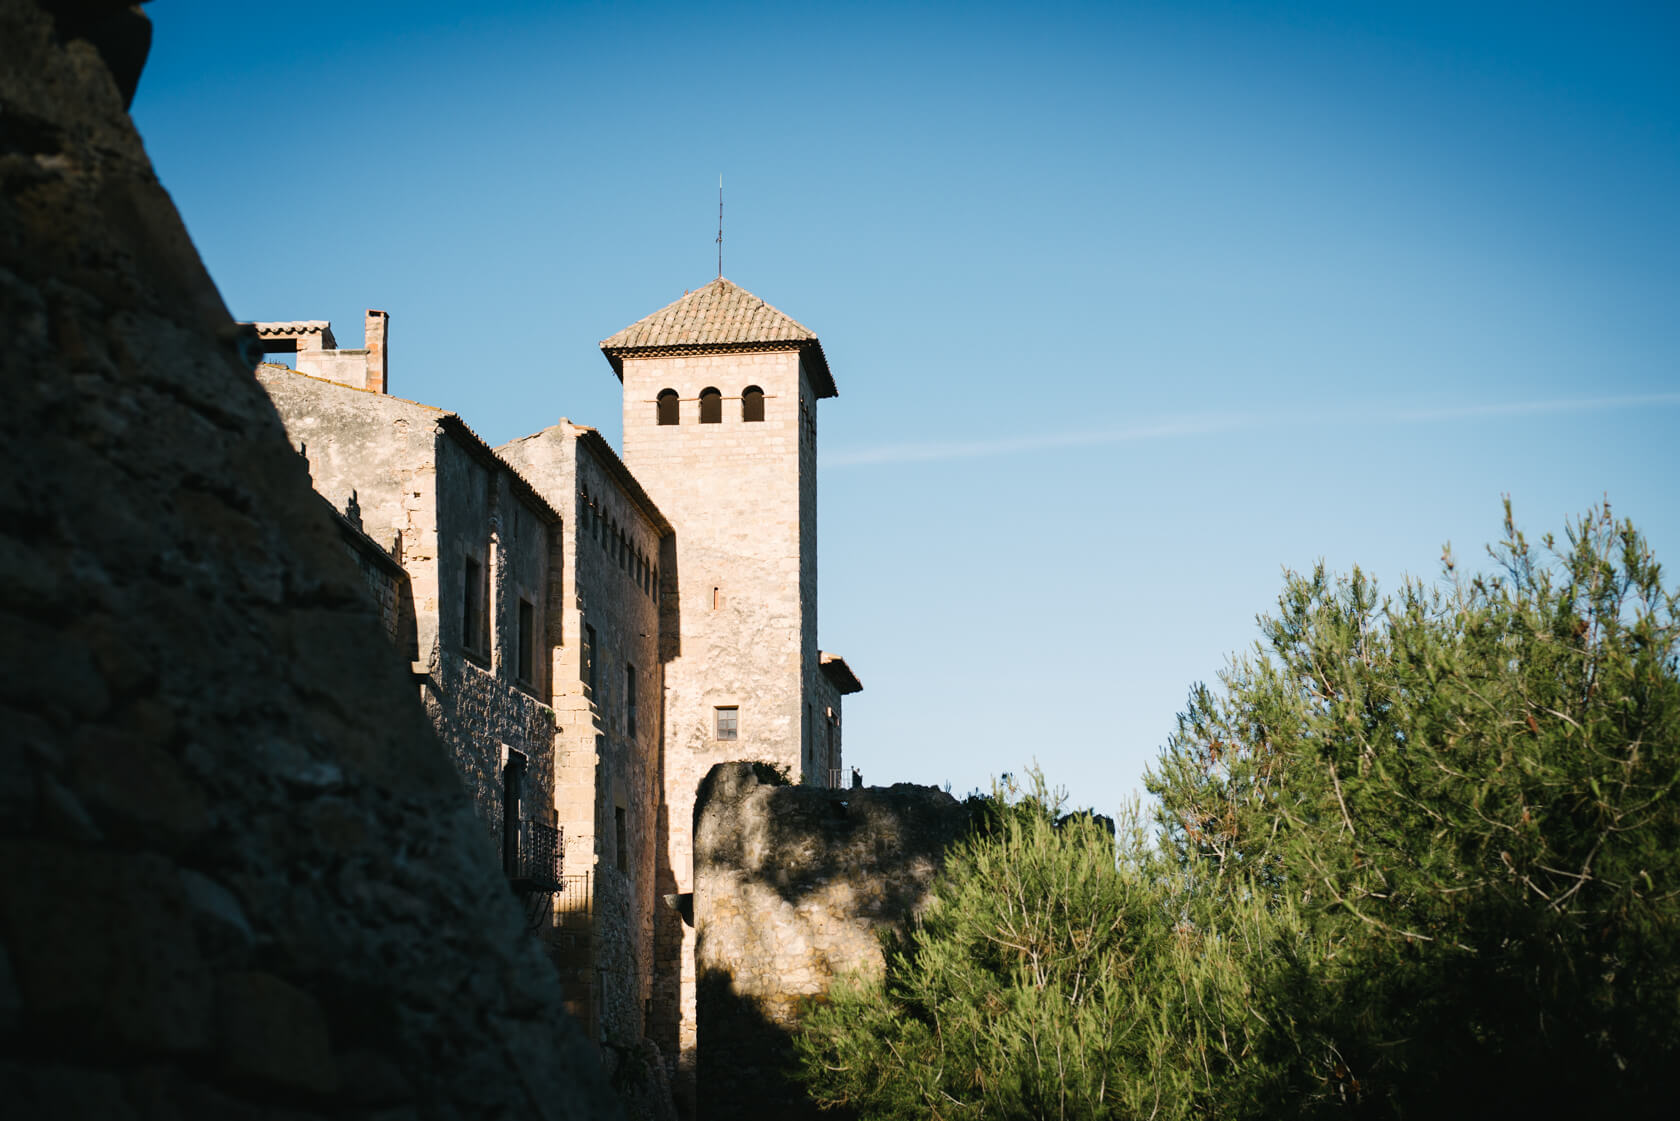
(1414, 856)
(1049, 977)
(1468, 793)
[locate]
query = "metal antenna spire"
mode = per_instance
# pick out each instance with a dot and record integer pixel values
(720, 227)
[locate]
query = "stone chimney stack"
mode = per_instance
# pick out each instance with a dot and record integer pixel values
(319, 355)
(378, 358)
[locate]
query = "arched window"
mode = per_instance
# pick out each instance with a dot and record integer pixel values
(752, 403)
(667, 407)
(711, 406)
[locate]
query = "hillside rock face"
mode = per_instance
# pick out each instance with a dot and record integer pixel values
(238, 875)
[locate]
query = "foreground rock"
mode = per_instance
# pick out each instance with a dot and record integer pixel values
(236, 868)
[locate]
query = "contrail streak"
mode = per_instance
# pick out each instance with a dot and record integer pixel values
(1205, 424)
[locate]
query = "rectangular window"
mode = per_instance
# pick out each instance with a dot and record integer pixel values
(630, 700)
(621, 840)
(513, 780)
(527, 640)
(728, 721)
(589, 658)
(472, 606)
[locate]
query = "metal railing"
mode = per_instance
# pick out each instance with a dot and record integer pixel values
(536, 857)
(574, 900)
(838, 778)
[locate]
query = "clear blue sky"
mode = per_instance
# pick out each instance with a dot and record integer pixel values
(1131, 306)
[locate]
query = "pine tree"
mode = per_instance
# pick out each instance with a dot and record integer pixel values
(1416, 856)
(1051, 976)
(1468, 794)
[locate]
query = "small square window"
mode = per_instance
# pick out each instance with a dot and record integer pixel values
(728, 722)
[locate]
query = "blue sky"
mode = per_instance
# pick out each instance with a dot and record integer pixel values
(1131, 306)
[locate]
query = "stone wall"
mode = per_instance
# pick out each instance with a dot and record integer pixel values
(819, 696)
(477, 703)
(381, 450)
(791, 886)
(733, 492)
(608, 766)
(386, 583)
(417, 475)
(237, 875)
(738, 596)
(477, 717)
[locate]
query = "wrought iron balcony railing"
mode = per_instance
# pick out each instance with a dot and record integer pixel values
(535, 857)
(839, 780)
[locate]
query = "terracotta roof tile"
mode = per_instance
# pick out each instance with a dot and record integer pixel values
(293, 327)
(722, 316)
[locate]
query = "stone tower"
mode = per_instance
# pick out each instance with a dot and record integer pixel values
(720, 428)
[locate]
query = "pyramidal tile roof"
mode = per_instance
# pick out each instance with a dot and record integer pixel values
(720, 317)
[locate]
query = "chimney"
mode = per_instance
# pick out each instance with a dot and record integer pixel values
(378, 360)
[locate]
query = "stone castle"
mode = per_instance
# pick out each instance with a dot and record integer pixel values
(592, 634)
(285, 728)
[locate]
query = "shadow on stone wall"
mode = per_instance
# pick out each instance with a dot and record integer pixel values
(747, 1067)
(794, 885)
(237, 872)
(884, 841)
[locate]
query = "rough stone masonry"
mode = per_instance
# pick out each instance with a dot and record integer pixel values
(238, 877)
(792, 885)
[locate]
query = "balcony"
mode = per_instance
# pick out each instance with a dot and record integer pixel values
(838, 779)
(534, 857)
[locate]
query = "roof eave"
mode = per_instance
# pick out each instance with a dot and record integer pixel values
(603, 452)
(473, 444)
(822, 379)
(839, 674)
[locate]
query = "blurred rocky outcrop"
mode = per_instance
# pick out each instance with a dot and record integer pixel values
(237, 873)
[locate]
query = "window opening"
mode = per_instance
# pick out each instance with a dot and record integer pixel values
(588, 652)
(728, 721)
(472, 606)
(513, 781)
(752, 403)
(630, 700)
(621, 840)
(711, 406)
(527, 640)
(666, 409)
